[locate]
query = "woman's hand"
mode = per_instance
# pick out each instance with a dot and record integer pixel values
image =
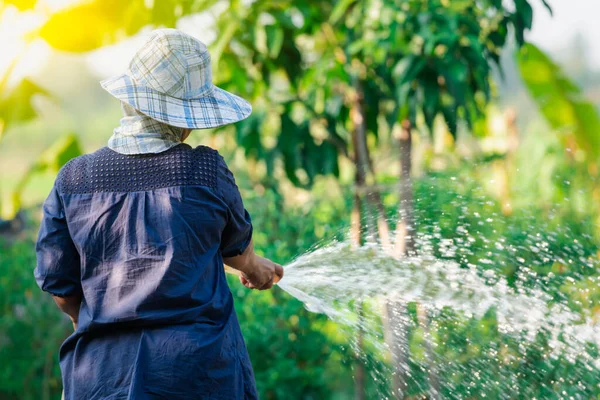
(256, 272)
(69, 305)
(263, 275)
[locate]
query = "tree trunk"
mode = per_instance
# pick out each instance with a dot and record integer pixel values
(368, 208)
(395, 323)
(374, 198)
(405, 229)
(355, 231)
(397, 310)
(512, 138)
(396, 314)
(360, 161)
(434, 383)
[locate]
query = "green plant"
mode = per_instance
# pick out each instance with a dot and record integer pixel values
(31, 327)
(50, 161)
(561, 102)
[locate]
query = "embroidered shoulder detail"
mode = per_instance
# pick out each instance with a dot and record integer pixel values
(108, 171)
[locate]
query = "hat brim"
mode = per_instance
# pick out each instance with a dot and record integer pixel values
(215, 109)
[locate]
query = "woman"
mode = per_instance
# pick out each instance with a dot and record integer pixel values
(134, 236)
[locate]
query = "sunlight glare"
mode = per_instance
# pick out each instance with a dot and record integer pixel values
(55, 5)
(21, 54)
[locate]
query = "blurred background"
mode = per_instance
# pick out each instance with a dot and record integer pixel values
(394, 121)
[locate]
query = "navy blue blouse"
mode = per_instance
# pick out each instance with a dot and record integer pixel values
(142, 239)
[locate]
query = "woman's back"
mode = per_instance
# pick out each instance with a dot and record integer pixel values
(147, 235)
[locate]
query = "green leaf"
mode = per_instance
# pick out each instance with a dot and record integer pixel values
(260, 38)
(16, 106)
(225, 36)
(498, 38)
(288, 146)
(167, 12)
(430, 102)
(300, 152)
(588, 131)
(522, 20)
(334, 137)
(412, 107)
(310, 157)
(248, 135)
(291, 60)
(446, 38)
(59, 153)
(526, 12)
(456, 77)
(407, 69)
(371, 105)
(274, 40)
(339, 10)
(450, 117)
(402, 93)
(329, 159)
(358, 45)
(560, 100)
(547, 5)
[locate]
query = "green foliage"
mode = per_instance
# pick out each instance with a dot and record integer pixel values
(552, 246)
(260, 51)
(50, 161)
(295, 354)
(301, 153)
(307, 67)
(561, 101)
(425, 57)
(15, 104)
(58, 154)
(435, 57)
(391, 59)
(15, 108)
(31, 328)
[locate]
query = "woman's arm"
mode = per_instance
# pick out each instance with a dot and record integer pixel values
(57, 269)
(69, 305)
(257, 272)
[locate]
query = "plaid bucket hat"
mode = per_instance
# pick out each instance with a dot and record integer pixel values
(170, 80)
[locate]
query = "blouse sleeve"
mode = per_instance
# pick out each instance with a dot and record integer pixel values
(237, 234)
(58, 264)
